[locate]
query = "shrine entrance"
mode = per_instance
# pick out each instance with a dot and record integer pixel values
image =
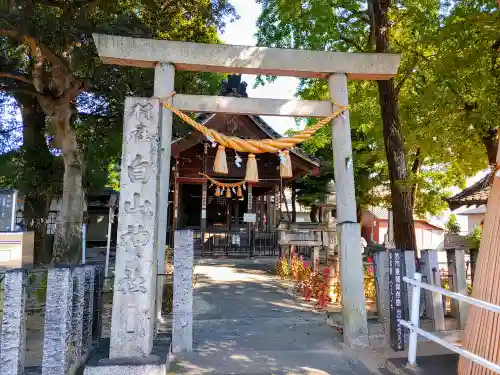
(220, 222)
(145, 176)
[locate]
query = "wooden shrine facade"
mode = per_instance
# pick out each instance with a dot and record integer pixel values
(218, 221)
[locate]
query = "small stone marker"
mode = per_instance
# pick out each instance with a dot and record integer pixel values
(13, 337)
(182, 325)
(58, 316)
(132, 326)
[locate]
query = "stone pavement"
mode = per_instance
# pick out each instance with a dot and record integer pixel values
(245, 323)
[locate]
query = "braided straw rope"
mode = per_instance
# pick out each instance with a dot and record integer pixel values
(223, 184)
(255, 146)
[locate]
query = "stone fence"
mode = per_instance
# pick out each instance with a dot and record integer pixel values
(72, 319)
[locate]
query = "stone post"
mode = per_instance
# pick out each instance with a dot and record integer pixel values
(88, 308)
(381, 263)
(410, 269)
(352, 286)
(58, 322)
(163, 86)
(433, 301)
(316, 250)
(13, 334)
(182, 324)
(78, 305)
(458, 283)
(133, 317)
(351, 265)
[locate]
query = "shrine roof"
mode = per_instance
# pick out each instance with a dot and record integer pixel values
(475, 195)
(232, 86)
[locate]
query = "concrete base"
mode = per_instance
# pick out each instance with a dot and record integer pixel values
(156, 364)
(376, 333)
(429, 365)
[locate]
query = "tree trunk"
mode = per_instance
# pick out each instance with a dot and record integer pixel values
(294, 206)
(36, 176)
(404, 227)
(490, 141)
(415, 170)
(68, 236)
(36, 210)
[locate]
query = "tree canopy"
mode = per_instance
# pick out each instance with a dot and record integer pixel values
(446, 90)
(49, 56)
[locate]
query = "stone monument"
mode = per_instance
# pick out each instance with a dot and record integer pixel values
(132, 327)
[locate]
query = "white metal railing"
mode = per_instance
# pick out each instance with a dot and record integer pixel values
(415, 330)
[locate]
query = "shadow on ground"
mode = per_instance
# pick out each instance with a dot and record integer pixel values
(245, 323)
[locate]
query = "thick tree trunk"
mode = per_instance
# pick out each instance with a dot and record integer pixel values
(294, 205)
(36, 210)
(401, 194)
(36, 176)
(68, 236)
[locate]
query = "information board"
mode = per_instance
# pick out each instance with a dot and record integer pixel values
(397, 299)
(7, 209)
(249, 217)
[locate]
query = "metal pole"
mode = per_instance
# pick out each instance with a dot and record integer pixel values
(415, 320)
(108, 244)
(84, 242)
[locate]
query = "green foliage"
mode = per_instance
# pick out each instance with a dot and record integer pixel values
(448, 89)
(369, 283)
(474, 239)
(452, 226)
(282, 268)
(68, 29)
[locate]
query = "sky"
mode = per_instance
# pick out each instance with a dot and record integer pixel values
(241, 32)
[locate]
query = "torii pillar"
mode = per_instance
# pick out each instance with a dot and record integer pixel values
(352, 288)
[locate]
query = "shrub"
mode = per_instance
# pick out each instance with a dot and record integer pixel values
(370, 290)
(282, 268)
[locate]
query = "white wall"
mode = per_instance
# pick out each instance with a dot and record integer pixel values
(426, 238)
(473, 221)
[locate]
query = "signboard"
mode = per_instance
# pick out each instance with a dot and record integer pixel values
(397, 299)
(249, 217)
(249, 198)
(204, 197)
(7, 209)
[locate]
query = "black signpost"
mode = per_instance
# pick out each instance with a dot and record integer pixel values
(7, 201)
(396, 294)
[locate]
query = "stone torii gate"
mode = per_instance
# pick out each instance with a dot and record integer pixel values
(146, 169)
